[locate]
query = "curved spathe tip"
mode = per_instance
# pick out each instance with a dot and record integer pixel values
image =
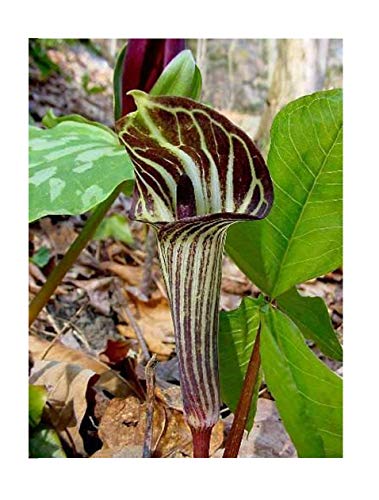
(192, 161)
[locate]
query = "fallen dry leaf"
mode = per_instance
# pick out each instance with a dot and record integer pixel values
(122, 430)
(178, 437)
(171, 397)
(78, 269)
(36, 272)
(117, 350)
(131, 451)
(154, 319)
(98, 290)
(268, 438)
(37, 279)
(108, 380)
(234, 285)
(168, 371)
(234, 281)
(61, 235)
(217, 438)
(131, 274)
(33, 288)
(124, 423)
(67, 387)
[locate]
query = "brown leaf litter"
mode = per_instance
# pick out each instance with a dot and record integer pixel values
(123, 428)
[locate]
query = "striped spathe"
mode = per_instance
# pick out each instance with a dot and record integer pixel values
(196, 174)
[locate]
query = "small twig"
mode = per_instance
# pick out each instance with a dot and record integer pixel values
(160, 287)
(37, 333)
(262, 391)
(132, 254)
(98, 251)
(127, 315)
(233, 442)
(79, 335)
(140, 262)
(150, 384)
(58, 332)
(151, 249)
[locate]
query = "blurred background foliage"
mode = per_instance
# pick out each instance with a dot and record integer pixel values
(247, 79)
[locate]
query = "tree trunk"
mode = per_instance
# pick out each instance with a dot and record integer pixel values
(201, 59)
(231, 73)
(299, 70)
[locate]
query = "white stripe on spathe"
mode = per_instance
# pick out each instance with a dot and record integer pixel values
(191, 256)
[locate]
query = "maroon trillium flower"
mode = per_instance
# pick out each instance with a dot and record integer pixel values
(143, 63)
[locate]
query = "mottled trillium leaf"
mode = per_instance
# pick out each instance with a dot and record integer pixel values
(115, 226)
(311, 316)
(37, 400)
(196, 173)
(238, 330)
(302, 237)
(50, 120)
(41, 257)
(73, 167)
(45, 443)
(307, 393)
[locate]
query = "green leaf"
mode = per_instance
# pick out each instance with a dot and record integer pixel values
(45, 443)
(91, 89)
(41, 257)
(308, 395)
(37, 401)
(302, 236)
(311, 316)
(237, 333)
(38, 51)
(117, 83)
(181, 77)
(50, 120)
(116, 226)
(73, 167)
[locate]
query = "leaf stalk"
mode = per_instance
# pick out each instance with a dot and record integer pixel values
(56, 276)
(233, 442)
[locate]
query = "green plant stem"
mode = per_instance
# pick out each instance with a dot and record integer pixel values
(56, 276)
(233, 442)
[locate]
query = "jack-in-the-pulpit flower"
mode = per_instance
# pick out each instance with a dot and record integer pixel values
(196, 174)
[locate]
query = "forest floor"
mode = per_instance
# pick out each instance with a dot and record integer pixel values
(90, 344)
